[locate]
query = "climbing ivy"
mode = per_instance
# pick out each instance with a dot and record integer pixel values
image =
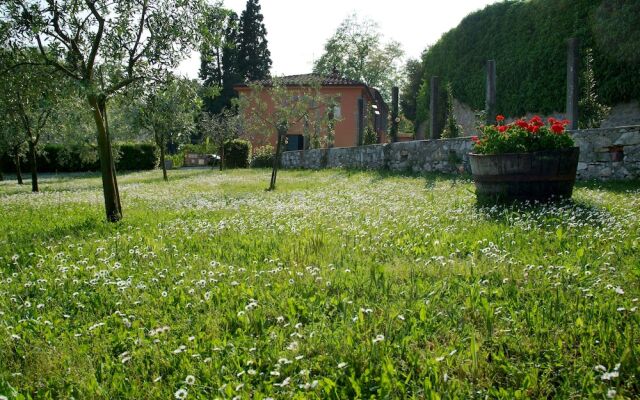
(528, 41)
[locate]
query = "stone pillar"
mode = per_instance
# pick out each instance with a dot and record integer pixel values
(573, 90)
(394, 113)
(360, 121)
(490, 99)
(435, 122)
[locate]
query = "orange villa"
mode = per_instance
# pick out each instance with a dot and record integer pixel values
(358, 106)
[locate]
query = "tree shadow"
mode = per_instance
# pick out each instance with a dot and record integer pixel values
(616, 186)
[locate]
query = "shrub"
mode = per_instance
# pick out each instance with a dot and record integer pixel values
(263, 157)
(137, 157)
(237, 153)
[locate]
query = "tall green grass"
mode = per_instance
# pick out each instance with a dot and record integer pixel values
(338, 285)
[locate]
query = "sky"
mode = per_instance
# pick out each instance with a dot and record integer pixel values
(298, 29)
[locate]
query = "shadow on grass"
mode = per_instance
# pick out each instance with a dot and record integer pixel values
(610, 186)
(430, 178)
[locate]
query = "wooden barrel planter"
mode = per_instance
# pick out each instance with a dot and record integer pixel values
(541, 176)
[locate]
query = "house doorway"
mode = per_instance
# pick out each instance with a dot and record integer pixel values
(295, 142)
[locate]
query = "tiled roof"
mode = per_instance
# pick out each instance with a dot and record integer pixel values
(309, 79)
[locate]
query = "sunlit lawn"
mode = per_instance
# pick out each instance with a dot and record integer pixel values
(338, 285)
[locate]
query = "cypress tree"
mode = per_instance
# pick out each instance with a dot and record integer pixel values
(254, 58)
(219, 60)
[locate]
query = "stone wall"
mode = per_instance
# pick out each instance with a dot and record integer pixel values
(609, 153)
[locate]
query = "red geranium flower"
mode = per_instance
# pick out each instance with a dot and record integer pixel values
(500, 118)
(522, 123)
(536, 120)
(502, 128)
(533, 128)
(557, 128)
(475, 139)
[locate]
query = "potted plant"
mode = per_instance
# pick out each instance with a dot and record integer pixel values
(524, 160)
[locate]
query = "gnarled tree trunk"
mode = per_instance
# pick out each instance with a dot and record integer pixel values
(112, 204)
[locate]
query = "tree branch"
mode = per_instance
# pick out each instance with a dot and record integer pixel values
(95, 45)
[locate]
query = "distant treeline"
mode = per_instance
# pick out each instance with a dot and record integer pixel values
(528, 41)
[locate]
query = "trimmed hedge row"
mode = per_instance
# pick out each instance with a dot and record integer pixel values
(58, 158)
(528, 41)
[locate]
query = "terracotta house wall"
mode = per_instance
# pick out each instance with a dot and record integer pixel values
(346, 129)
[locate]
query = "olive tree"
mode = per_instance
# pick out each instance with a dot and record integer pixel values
(29, 96)
(282, 108)
(167, 110)
(104, 46)
(220, 128)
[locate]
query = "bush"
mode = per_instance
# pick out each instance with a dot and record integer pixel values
(263, 157)
(137, 157)
(77, 158)
(237, 153)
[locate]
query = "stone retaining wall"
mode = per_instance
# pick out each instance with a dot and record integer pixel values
(610, 153)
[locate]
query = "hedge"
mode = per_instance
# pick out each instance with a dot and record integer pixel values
(263, 157)
(237, 153)
(58, 158)
(528, 42)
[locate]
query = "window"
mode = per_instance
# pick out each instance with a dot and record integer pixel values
(337, 112)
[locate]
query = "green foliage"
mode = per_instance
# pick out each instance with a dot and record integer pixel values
(237, 153)
(522, 137)
(451, 127)
(78, 158)
(409, 91)
(528, 41)
(219, 63)
(335, 285)
(358, 52)
(591, 111)
(254, 57)
(370, 136)
(137, 156)
(263, 157)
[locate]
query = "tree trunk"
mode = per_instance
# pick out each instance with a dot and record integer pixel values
(164, 167)
(34, 166)
(16, 160)
(107, 166)
(221, 155)
(276, 160)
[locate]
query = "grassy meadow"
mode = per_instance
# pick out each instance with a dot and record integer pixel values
(338, 285)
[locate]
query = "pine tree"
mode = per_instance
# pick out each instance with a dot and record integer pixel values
(254, 58)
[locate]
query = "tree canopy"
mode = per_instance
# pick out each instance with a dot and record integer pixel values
(358, 51)
(105, 46)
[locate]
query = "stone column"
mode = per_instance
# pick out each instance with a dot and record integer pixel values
(573, 90)
(435, 122)
(490, 99)
(394, 113)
